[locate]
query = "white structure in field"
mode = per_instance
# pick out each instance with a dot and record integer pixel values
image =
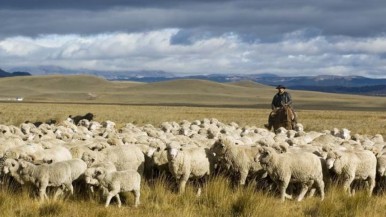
(18, 99)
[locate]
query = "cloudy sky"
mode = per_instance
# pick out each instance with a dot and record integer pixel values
(284, 37)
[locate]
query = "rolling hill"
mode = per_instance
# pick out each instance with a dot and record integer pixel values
(11, 74)
(186, 92)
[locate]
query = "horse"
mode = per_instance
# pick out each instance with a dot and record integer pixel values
(283, 117)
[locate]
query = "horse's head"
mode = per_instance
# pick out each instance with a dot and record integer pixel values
(283, 117)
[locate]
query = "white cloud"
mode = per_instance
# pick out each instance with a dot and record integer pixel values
(295, 54)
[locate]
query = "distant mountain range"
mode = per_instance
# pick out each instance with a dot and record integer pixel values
(11, 74)
(323, 83)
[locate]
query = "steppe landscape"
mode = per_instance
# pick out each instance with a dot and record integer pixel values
(245, 103)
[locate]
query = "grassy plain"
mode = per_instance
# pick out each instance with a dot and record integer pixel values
(245, 103)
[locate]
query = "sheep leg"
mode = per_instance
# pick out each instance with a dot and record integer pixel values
(119, 200)
(137, 194)
(182, 183)
(371, 185)
(347, 185)
(288, 196)
(303, 192)
(199, 190)
(201, 184)
(320, 186)
(311, 192)
(58, 192)
(42, 191)
(243, 177)
(110, 196)
(283, 187)
(70, 187)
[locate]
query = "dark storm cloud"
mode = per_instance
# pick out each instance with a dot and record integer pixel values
(96, 4)
(263, 20)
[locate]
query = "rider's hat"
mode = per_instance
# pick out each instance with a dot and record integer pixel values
(280, 87)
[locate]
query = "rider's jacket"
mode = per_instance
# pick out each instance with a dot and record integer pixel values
(281, 99)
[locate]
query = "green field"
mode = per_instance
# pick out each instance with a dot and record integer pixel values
(245, 103)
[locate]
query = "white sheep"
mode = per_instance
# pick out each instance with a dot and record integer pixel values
(11, 166)
(304, 168)
(49, 155)
(237, 158)
(116, 182)
(353, 164)
(185, 163)
(108, 166)
(123, 157)
(60, 174)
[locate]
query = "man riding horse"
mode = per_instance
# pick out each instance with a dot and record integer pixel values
(281, 103)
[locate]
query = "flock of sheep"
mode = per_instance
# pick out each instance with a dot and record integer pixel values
(111, 160)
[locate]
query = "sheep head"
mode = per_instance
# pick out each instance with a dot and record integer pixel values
(222, 145)
(381, 165)
(172, 150)
(23, 163)
(89, 175)
(89, 157)
(150, 152)
(10, 165)
(281, 147)
(265, 155)
(100, 173)
(333, 158)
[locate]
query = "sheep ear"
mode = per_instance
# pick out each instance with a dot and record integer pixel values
(50, 161)
(326, 148)
(23, 164)
(337, 155)
(29, 158)
(283, 149)
(98, 171)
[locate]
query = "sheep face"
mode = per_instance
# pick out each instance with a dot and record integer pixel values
(150, 152)
(330, 162)
(299, 127)
(265, 155)
(89, 157)
(219, 147)
(345, 134)
(89, 175)
(10, 165)
(334, 161)
(173, 152)
(100, 173)
(330, 159)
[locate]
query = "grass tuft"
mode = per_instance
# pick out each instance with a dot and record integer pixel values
(51, 209)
